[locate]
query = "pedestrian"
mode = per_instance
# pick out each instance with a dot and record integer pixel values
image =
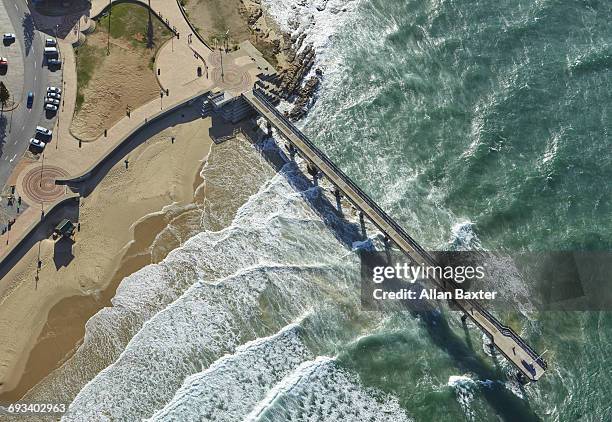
(127, 162)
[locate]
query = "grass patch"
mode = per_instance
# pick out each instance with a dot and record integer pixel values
(128, 22)
(88, 58)
(131, 23)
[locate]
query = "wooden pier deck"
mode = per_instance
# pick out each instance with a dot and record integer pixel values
(506, 340)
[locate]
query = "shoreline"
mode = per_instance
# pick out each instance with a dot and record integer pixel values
(65, 294)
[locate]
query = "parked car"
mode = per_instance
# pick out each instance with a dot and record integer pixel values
(50, 107)
(50, 42)
(43, 131)
(8, 38)
(54, 62)
(54, 90)
(3, 61)
(52, 101)
(54, 95)
(51, 52)
(30, 99)
(37, 143)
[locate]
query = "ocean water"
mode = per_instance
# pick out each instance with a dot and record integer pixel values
(477, 124)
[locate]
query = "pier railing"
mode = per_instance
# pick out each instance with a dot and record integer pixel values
(503, 329)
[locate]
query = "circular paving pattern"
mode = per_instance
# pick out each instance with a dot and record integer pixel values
(214, 59)
(232, 78)
(45, 189)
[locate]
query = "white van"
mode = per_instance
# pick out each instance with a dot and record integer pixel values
(51, 52)
(50, 42)
(43, 131)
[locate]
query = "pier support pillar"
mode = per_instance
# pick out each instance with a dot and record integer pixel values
(362, 224)
(291, 150)
(338, 196)
(464, 318)
(269, 128)
(491, 345)
(312, 170)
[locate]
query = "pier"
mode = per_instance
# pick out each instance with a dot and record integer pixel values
(531, 366)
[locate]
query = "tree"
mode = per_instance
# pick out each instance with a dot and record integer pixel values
(4, 95)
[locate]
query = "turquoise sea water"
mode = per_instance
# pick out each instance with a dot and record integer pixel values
(484, 124)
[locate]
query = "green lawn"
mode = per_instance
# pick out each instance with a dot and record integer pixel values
(88, 59)
(130, 22)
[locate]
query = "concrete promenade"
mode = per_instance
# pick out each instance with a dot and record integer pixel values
(67, 157)
(510, 344)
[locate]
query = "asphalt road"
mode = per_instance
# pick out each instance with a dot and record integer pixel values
(36, 79)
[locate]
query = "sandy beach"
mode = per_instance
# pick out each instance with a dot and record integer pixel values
(125, 200)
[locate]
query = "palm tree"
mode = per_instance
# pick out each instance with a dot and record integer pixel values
(4, 95)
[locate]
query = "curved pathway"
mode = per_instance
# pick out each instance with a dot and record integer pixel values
(177, 63)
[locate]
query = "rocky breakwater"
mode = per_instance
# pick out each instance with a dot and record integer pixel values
(292, 57)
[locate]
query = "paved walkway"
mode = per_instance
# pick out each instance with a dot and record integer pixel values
(178, 62)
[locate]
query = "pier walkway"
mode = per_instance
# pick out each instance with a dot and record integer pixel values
(508, 342)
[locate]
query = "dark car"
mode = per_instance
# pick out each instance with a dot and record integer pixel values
(8, 39)
(30, 99)
(54, 63)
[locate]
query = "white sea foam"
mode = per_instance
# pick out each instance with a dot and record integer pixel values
(320, 390)
(464, 388)
(228, 389)
(277, 247)
(463, 237)
(319, 20)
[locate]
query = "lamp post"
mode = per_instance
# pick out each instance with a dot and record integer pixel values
(110, 8)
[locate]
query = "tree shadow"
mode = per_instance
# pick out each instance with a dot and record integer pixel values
(28, 32)
(3, 133)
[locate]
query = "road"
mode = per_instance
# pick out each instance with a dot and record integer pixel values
(36, 79)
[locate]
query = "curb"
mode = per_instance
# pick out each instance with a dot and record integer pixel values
(138, 2)
(33, 227)
(197, 34)
(152, 119)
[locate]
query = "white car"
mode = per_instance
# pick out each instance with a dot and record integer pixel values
(54, 95)
(43, 131)
(50, 42)
(52, 101)
(37, 143)
(50, 107)
(54, 90)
